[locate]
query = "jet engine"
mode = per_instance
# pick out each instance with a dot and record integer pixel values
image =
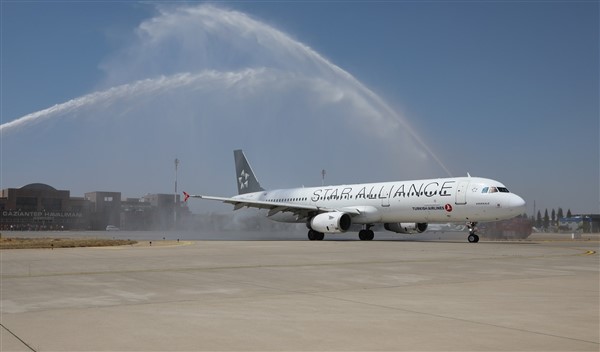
(403, 227)
(332, 222)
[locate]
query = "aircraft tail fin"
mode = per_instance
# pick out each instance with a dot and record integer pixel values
(245, 178)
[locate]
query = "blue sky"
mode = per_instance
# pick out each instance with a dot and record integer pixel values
(506, 90)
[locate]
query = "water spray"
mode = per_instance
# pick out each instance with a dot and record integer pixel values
(278, 59)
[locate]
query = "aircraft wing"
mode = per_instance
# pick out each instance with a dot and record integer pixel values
(300, 210)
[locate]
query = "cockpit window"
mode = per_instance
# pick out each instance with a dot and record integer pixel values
(494, 190)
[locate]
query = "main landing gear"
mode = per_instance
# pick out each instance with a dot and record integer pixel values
(315, 236)
(472, 238)
(367, 234)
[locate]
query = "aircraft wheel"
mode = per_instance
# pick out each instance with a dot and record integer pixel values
(315, 236)
(473, 238)
(362, 235)
(366, 235)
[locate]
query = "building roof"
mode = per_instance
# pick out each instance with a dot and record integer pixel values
(38, 187)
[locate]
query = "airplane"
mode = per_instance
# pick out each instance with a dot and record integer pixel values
(402, 206)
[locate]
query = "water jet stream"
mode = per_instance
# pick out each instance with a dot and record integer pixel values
(203, 60)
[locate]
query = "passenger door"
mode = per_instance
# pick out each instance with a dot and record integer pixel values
(461, 192)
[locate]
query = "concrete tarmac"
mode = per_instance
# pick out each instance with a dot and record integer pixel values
(303, 295)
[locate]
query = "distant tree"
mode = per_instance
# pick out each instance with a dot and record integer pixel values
(546, 219)
(586, 224)
(538, 222)
(560, 214)
(569, 215)
(553, 217)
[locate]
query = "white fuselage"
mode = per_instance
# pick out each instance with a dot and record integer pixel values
(434, 200)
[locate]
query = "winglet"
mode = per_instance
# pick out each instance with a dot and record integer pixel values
(186, 196)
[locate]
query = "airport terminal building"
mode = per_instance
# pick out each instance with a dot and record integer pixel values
(38, 206)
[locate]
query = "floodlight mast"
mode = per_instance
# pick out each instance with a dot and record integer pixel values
(175, 196)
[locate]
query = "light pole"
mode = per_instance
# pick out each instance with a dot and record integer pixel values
(175, 197)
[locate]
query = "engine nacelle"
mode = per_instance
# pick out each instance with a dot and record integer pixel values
(402, 227)
(332, 222)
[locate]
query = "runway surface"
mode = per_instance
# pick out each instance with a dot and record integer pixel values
(302, 295)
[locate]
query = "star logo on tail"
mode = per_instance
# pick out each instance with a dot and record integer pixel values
(243, 179)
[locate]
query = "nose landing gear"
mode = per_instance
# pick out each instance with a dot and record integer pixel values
(472, 238)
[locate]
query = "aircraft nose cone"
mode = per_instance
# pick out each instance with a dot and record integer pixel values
(518, 204)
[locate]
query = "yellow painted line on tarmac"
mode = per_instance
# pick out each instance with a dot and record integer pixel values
(180, 243)
(589, 253)
(146, 244)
